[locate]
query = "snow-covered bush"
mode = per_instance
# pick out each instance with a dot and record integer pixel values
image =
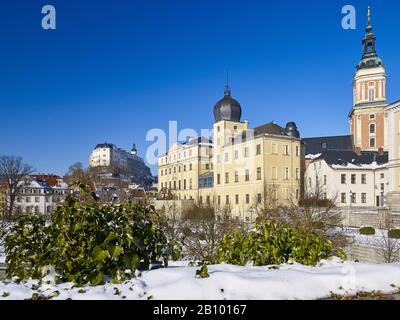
(86, 243)
(271, 243)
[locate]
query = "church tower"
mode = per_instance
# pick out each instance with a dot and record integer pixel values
(367, 119)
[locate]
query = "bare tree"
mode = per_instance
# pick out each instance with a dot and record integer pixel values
(77, 173)
(266, 208)
(389, 248)
(170, 217)
(13, 171)
(204, 227)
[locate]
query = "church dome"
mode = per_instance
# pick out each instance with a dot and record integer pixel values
(227, 108)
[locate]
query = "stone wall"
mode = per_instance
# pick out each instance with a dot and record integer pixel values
(380, 218)
(365, 253)
(171, 207)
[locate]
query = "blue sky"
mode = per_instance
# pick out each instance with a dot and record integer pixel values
(115, 69)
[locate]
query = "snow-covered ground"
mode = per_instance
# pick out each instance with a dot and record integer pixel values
(290, 281)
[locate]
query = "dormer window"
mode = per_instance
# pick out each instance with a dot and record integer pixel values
(324, 145)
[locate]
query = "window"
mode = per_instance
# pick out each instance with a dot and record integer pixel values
(258, 173)
(324, 145)
(363, 198)
(219, 200)
(372, 116)
(208, 199)
(174, 169)
(218, 178)
(28, 199)
(297, 151)
(246, 152)
(170, 171)
(286, 149)
(372, 143)
(343, 179)
(353, 179)
(179, 185)
(382, 187)
(259, 198)
(237, 199)
(174, 185)
(297, 194)
(363, 178)
(190, 167)
(382, 175)
(227, 200)
(371, 94)
(343, 198)
(274, 148)
(247, 175)
(184, 184)
(184, 168)
(236, 176)
(372, 128)
(207, 167)
(297, 174)
(286, 173)
(325, 180)
(258, 149)
(353, 197)
(226, 177)
(191, 184)
(247, 198)
(226, 157)
(235, 128)
(274, 173)
(236, 154)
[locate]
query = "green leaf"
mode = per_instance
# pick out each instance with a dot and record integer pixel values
(99, 255)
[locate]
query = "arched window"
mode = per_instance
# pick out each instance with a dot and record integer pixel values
(371, 94)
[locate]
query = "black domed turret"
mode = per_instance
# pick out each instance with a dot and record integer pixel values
(227, 108)
(291, 130)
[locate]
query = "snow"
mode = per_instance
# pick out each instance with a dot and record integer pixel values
(372, 165)
(290, 281)
(312, 156)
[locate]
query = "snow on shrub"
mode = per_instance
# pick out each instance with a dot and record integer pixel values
(86, 243)
(272, 244)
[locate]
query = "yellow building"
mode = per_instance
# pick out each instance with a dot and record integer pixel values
(242, 169)
(181, 168)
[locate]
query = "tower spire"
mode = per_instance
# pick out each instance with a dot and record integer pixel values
(227, 91)
(369, 25)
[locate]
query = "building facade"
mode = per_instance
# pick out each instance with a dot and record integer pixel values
(349, 179)
(41, 194)
(240, 169)
(182, 169)
(108, 158)
(360, 169)
(367, 117)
